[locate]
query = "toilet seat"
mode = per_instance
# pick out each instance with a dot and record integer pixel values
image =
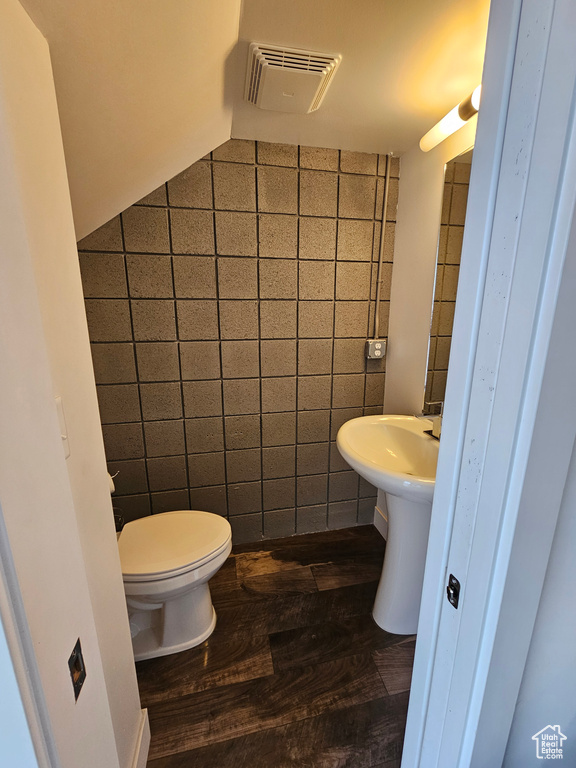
(169, 544)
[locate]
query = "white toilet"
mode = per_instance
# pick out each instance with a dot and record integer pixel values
(167, 560)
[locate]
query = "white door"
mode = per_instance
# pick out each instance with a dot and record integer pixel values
(510, 420)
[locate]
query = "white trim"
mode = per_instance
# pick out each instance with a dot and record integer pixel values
(142, 742)
(381, 522)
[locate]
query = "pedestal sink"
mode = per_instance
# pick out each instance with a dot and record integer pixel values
(395, 454)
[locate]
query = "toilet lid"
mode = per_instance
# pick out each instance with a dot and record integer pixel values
(171, 542)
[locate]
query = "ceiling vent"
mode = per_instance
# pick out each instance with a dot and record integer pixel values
(288, 79)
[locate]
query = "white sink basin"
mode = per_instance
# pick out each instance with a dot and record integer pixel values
(396, 455)
(393, 453)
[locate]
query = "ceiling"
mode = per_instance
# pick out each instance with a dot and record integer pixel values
(147, 87)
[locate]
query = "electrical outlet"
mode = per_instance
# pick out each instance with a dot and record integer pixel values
(375, 349)
(77, 669)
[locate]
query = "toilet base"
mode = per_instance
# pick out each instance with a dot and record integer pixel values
(146, 643)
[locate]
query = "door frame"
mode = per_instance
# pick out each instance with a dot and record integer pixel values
(509, 425)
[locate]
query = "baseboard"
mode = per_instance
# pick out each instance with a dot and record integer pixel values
(381, 522)
(142, 743)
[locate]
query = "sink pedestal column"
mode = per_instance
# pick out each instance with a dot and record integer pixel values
(397, 604)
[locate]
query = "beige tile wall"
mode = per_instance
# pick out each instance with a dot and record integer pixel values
(456, 182)
(228, 312)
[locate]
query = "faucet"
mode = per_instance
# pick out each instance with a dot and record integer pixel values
(434, 417)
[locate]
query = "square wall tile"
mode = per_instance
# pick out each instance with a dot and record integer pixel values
(277, 154)
(200, 359)
(244, 498)
(355, 240)
(366, 511)
(202, 398)
(318, 193)
(351, 319)
(312, 490)
(277, 190)
(158, 361)
(197, 319)
(312, 458)
(123, 441)
(234, 187)
(103, 275)
(279, 494)
(349, 355)
(348, 390)
(192, 231)
(237, 278)
(314, 393)
(168, 501)
(167, 473)
(153, 319)
(246, 528)
(278, 429)
(353, 280)
(278, 279)
(315, 319)
(343, 486)
(134, 506)
(357, 197)
(243, 465)
(278, 319)
(130, 477)
(317, 238)
(209, 499)
(337, 463)
(278, 462)
(118, 403)
(241, 396)
(164, 438)
(240, 359)
(312, 519)
(238, 319)
(108, 319)
(193, 187)
(316, 280)
(194, 277)
(278, 394)
(313, 426)
(278, 357)
(341, 416)
(150, 277)
(206, 469)
(236, 234)
(156, 197)
(161, 401)
(374, 389)
(113, 363)
(277, 236)
(319, 158)
(204, 435)
(342, 514)
(146, 230)
(358, 162)
(108, 237)
(314, 356)
(242, 432)
(236, 151)
(280, 522)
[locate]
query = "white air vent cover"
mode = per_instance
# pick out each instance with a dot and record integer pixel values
(288, 79)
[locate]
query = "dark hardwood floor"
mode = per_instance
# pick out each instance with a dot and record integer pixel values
(296, 674)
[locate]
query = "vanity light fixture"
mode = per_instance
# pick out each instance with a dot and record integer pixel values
(455, 119)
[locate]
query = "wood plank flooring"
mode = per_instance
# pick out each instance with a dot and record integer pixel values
(296, 674)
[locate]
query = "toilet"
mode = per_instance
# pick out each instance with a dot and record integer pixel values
(167, 560)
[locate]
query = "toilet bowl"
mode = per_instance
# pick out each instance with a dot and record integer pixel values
(167, 560)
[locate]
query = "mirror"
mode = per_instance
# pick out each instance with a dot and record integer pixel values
(456, 180)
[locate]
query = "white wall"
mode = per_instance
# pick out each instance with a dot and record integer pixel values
(420, 197)
(57, 513)
(547, 692)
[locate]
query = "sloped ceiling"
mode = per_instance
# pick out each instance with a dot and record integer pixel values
(147, 87)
